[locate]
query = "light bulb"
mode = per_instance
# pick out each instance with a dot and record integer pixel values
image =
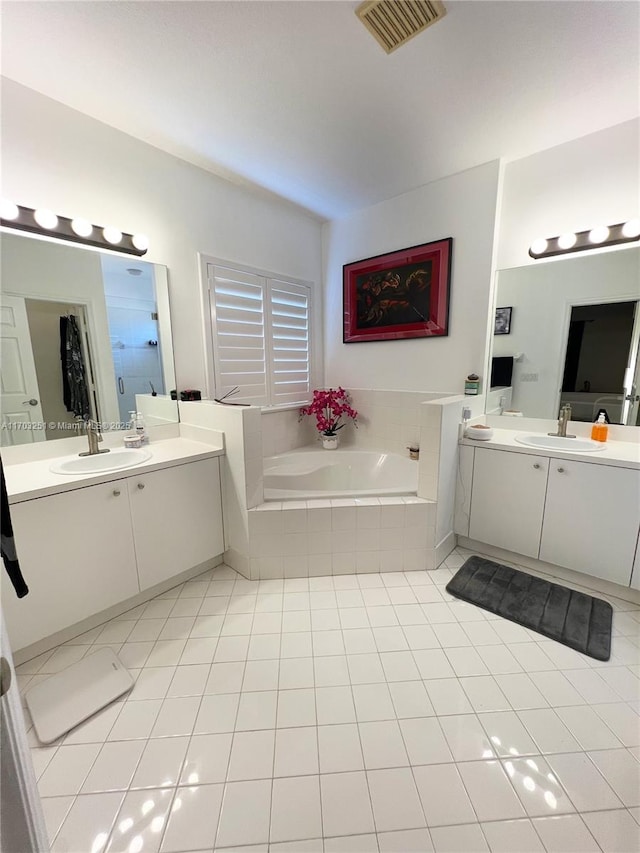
(112, 235)
(46, 218)
(141, 242)
(631, 228)
(539, 246)
(566, 241)
(8, 210)
(81, 227)
(598, 234)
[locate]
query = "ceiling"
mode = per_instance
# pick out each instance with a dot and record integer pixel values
(297, 97)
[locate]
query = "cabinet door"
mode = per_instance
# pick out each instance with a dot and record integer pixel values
(76, 555)
(635, 575)
(177, 519)
(507, 500)
(591, 519)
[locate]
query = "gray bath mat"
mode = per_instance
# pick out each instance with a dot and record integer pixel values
(579, 621)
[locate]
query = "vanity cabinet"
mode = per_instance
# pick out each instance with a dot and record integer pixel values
(85, 550)
(591, 519)
(576, 514)
(507, 500)
(77, 557)
(176, 515)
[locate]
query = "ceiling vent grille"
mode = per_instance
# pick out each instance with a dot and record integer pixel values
(393, 22)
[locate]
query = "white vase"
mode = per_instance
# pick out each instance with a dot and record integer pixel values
(330, 442)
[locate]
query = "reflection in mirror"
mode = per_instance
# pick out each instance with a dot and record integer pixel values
(83, 334)
(573, 338)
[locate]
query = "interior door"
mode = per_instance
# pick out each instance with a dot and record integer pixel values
(19, 393)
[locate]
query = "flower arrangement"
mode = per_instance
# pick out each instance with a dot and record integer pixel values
(330, 407)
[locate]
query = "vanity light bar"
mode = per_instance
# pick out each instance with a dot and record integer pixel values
(46, 222)
(596, 238)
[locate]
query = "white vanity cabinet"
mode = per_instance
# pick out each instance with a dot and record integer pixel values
(177, 519)
(507, 500)
(581, 515)
(77, 557)
(85, 550)
(591, 519)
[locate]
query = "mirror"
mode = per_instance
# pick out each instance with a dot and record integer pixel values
(567, 331)
(83, 334)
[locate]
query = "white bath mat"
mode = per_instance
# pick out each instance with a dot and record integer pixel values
(68, 698)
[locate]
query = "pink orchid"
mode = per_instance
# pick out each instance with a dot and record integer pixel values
(329, 406)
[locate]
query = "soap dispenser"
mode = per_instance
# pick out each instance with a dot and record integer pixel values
(140, 428)
(600, 430)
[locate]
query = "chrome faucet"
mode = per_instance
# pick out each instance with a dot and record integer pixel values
(563, 420)
(94, 436)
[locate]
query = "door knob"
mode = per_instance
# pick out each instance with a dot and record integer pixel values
(536, 464)
(141, 485)
(31, 402)
(560, 470)
(116, 493)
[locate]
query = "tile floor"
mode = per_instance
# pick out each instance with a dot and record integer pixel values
(346, 714)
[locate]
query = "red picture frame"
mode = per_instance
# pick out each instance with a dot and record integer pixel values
(399, 295)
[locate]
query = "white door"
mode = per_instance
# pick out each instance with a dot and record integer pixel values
(19, 396)
(591, 519)
(177, 519)
(507, 500)
(635, 576)
(22, 829)
(631, 390)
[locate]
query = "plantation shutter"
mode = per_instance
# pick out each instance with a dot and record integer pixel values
(261, 337)
(289, 321)
(238, 315)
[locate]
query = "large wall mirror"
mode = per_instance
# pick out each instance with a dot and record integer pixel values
(84, 334)
(567, 331)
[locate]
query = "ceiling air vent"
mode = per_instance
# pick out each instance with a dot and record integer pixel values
(393, 22)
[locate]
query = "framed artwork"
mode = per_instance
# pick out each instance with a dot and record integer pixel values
(502, 324)
(403, 294)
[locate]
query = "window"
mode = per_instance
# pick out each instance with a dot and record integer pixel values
(261, 336)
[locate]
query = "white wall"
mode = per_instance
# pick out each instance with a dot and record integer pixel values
(461, 206)
(55, 157)
(589, 181)
(541, 297)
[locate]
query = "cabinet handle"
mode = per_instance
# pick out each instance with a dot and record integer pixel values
(116, 493)
(536, 465)
(560, 470)
(141, 485)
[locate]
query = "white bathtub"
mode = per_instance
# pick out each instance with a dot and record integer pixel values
(314, 474)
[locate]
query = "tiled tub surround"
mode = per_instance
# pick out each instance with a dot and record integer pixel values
(368, 713)
(297, 539)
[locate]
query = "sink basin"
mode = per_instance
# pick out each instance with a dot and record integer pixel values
(116, 460)
(558, 442)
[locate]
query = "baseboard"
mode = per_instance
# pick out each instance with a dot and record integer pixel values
(444, 548)
(41, 646)
(624, 593)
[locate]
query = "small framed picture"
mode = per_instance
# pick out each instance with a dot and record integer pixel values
(503, 321)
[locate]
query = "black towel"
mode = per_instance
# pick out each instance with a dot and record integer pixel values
(9, 555)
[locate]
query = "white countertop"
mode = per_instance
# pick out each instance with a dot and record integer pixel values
(621, 454)
(29, 480)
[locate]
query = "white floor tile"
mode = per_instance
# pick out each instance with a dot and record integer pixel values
(331, 671)
(251, 756)
(136, 720)
(298, 707)
(350, 844)
(96, 729)
(424, 741)
(459, 839)
(410, 699)
(622, 772)
(206, 759)
(296, 752)
(261, 675)
(537, 786)
(234, 828)
(382, 745)
(484, 693)
(556, 689)
(565, 834)
(548, 731)
(404, 841)
(177, 717)
(491, 794)
(295, 809)
(512, 836)
(588, 728)
(152, 683)
(114, 767)
(467, 739)
(448, 697)
(507, 735)
(365, 669)
(339, 748)
(140, 821)
(433, 663)
(399, 666)
(582, 781)
(622, 720)
(88, 823)
(67, 770)
(615, 831)
(444, 798)
(395, 800)
(346, 807)
(466, 661)
(257, 711)
(189, 680)
(193, 819)
(521, 692)
(217, 714)
(296, 673)
(55, 810)
(225, 678)
(373, 702)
